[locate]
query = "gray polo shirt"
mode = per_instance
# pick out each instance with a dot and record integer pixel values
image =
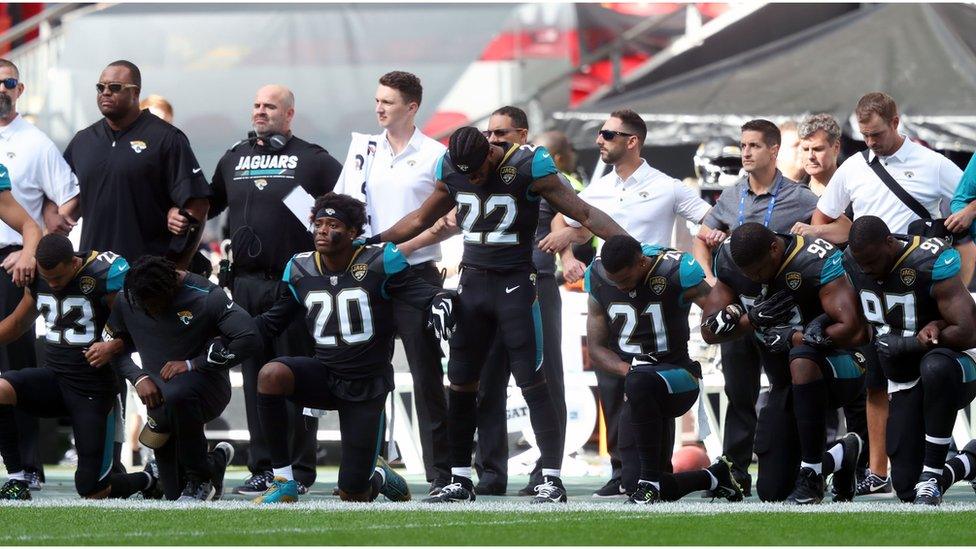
(795, 202)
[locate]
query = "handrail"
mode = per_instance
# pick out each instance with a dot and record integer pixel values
(26, 26)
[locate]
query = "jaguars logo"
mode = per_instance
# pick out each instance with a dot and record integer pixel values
(908, 276)
(260, 184)
(86, 284)
(185, 317)
(532, 278)
(359, 271)
(508, 173)
(138, 146)
(658, 284)
(793, 280)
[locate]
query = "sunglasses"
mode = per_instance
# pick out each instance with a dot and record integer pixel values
(114, 87)
(610, 134)
(501, 132)
(9, 83)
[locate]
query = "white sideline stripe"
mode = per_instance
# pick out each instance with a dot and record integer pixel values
(617, 510)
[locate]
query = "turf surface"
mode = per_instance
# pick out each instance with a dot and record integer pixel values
(56, 517)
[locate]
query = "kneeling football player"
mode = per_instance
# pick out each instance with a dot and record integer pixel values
(74, 294)
(344, 291)
(188, 334)
(794, 296)
(637, 327)
(925, 325)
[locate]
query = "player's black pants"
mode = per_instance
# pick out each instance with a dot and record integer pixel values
(361, 422)
(491, 457)
(505, 302)
(784, 425)
(190, 400)
(256, 293)
(947, 384)
(41, 393)
(741, 367)
(423, 352)
(17, 355)
(656, 395)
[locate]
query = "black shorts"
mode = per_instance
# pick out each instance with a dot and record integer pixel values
(41, 393)
(361, 422)
(874, 375)
(502, 302)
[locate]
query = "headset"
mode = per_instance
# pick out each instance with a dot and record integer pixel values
(274, 142)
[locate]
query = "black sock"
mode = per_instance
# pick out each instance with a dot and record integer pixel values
(810, 407)
(462, 419)
(647, 437)
(124, 485)
(375, 485)
(956, 469)
(675, 487)
(273, 417)
(542, 415)
(9, 447)
(935, 454)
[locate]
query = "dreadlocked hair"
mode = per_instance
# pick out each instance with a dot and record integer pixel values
(354, 210)
(151, 278)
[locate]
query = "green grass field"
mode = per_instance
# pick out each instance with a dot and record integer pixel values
(55, 517)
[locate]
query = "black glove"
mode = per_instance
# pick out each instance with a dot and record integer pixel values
(375, 239)
(440, 315)
(778, 339)
(891, 346)
(815, 334)
(724, 321)
(775, 310)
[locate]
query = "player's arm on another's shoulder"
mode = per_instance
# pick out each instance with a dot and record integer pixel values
(437, 205)
(598, 338)
(566, 202)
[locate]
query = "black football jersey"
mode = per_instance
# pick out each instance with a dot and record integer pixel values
(499, 217)
(652, 319)
(808, 265)
(74, 318)
(902, 303)
(350, 313)
(728, 272)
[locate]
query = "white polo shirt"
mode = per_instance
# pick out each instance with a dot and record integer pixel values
(645, 204)
(395, 184)
(37, 170)
(925, 174)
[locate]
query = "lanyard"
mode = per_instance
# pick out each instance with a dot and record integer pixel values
(769, 209)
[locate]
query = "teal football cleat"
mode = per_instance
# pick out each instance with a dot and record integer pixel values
(280, 490)
(395, 487)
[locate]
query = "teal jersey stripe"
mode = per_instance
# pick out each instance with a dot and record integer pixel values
(439, 168)
(116, 274)
(947, 265)
(833, 268)
(678, 380)
(4, 178)
(286, 278)
(586, 279)
(542, 164)
(108, 450)
(537, 324)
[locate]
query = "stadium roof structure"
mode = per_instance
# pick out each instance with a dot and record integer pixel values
(923, 55)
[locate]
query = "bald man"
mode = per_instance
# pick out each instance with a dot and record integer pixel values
(252, 181)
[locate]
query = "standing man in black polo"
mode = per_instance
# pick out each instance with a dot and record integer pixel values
(764, 196)
(132, 167)
(393, 172)
(254, 182)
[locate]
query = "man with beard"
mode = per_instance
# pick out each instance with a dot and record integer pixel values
(40, 181)
(253, 181)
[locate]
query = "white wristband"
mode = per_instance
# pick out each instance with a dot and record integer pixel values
(189, 366)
